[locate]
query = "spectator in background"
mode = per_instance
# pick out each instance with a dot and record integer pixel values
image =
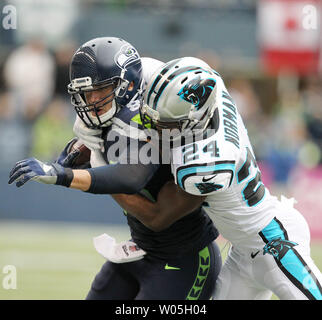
(249, 107)
(63, 56)
(256, 121)
(287, 134)
(52, 129)
(311, 96)
(29, 77)
(54, 126)
(245, 98)
(29, 74)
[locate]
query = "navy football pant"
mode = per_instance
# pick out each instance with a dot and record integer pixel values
(190, 277)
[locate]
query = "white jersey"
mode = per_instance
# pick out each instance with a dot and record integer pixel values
(223, 168)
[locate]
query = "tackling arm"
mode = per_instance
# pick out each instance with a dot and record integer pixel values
(115, 179)
(171, 205)
(125, 178)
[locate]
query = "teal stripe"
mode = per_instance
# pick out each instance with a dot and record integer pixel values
(273, 231)
(290, 261)
(198, 170)
(296, 268)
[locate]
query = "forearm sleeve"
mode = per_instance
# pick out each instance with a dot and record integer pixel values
(121, 178)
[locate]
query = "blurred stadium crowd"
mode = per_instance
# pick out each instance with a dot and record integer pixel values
(283, 113)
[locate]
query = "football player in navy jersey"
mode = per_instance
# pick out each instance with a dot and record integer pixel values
(180, 259)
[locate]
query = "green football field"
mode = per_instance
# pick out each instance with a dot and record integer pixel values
(58, 260)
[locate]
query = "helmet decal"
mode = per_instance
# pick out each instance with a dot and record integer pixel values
(197, 91)
(172, 76)
(158, 78)
(125, 56)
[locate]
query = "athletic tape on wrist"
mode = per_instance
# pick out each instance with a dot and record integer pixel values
(65, 178)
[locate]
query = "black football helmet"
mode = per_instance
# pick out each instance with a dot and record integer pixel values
(100, 63)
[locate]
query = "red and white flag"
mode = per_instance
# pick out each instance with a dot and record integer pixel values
(289, 35)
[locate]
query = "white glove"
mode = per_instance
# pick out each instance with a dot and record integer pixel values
(97, 159)
(91, 137)
(125, 251)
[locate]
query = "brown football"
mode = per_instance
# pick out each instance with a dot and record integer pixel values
(85, 153)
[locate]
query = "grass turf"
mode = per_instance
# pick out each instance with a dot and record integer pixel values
(58, 260)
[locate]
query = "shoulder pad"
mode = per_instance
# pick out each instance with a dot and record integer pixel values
(130, 115)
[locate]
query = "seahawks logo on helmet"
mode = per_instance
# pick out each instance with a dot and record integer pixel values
(125, 56)
(197, 91)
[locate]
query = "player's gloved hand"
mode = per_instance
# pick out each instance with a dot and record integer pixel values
(67, 158)
(91, 137)
(33, 169)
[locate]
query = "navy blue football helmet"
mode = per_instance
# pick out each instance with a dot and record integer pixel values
(100, 63)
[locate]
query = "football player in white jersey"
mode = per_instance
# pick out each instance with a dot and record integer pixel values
(270, 239)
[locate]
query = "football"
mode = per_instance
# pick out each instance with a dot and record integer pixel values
(84, 155)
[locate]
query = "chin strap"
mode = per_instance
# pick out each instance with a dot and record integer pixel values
(107, 116)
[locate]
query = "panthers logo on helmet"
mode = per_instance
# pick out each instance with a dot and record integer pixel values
(125, 56)
(197, 91)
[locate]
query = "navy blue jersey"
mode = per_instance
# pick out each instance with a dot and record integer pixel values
(190, 233)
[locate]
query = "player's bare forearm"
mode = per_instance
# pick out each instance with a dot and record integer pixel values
(81, 180)
(172, 204)
(138, 206)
